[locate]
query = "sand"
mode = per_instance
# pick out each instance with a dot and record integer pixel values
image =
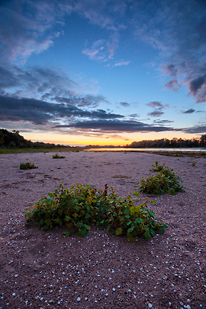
(49, 270)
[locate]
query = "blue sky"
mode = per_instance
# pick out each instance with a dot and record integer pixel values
(103, 72)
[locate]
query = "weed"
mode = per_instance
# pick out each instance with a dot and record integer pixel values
(27, 166)
(193, 163)
(157, 167)
(57, 156)
(81, 206)
(165, 181)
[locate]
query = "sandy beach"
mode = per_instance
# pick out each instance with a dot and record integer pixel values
(49, 270)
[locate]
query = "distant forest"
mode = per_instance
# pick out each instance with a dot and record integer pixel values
(15, 140)
(173, 143)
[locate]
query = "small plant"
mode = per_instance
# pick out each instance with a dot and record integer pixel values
(27, 166)
(157, 167)
(57, 156)
(165, 181)
(81, 206)
(193, 163)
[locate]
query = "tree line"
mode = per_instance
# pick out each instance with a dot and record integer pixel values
(173, 143)
(15, 140)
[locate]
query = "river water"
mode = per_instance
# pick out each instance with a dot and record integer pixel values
(149, 149)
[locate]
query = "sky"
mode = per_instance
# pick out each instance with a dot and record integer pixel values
(106, 72)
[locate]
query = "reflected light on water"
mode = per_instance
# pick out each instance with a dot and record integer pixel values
(149, 149)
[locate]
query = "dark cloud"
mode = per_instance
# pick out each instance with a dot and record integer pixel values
(173, 85)
(125, 104)
(155, 104)
(155, 114)
(189, 111)
(8, 79)
(197, 83)
(162, 121)
(116, 125)
(170, 70)
(158, 108)
(41, 112)
(196, 129)
(81, 101)
(134, 115)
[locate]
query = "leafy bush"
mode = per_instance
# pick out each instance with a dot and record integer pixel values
(27, 166)
(81, 206)
(165, 181)
(57, 156)
(157, 167)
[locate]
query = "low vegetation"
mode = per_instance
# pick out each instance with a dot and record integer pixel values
(27, 166)
(165, 181)
(57, 156)
(80, 206)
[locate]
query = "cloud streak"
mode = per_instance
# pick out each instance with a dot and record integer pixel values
(156, 114)
(156, 104)
(196, 129)
(124, 104)
(117, 126)
(158, 108)
(189, 111)
(122, 62)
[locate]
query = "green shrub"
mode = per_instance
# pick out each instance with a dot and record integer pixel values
(157, 167)
(81, 206)
(27, 166)
(57, 156)
(165, 181)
